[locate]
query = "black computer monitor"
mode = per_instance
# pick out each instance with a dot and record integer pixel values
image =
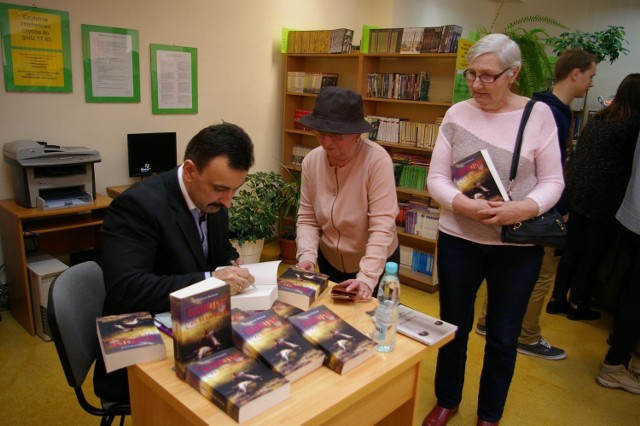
(151, 153)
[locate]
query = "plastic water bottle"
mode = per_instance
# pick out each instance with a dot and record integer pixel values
(386, 316)
(389, 288)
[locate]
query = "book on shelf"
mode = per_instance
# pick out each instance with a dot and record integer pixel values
(275, 342)
(422, 327)
(318, 41)
(201, 321)
(129, 339)
(341, 39)
(298, 154)
(477, 177)
(301, 288)
(297, 115)
(344, 346)
(411, 40)
(264, 293)
(239, 385)
(310, 82)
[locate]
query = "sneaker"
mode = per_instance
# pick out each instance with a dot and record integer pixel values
(634, 364)
(542, 349)
(557, 306)
(481, 329)
(618, 377)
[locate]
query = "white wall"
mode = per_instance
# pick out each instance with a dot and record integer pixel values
(239, 68)
(240, 65)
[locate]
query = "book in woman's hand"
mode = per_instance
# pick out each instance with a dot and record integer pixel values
(477, 177)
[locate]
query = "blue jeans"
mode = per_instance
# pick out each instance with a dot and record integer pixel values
(510, 272)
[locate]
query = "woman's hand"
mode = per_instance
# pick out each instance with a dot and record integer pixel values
(364, 292)
(470, 207)
(509, 212)
(239, 279)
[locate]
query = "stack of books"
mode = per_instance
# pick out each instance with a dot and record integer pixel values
(319, 41)
(309, 82)
(299, 152)
(413, 40)
(416, 260)
(412, 87)
(297, 115)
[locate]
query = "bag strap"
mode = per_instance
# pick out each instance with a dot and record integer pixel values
(516, 150)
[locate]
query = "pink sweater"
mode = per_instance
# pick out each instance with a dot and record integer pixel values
(349, 211)
(467, 129)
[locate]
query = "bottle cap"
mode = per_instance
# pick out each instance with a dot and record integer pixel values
(391, 268)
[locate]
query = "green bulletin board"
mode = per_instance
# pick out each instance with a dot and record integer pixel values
(111, 61)
(174, 79)
(36, 49)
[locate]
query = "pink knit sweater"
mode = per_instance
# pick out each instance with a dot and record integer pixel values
(349, 211)
(467, 129)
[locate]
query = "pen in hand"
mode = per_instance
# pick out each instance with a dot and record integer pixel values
(236, 264)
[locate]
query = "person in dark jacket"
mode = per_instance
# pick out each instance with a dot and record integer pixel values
(598, 174)
(170, 231)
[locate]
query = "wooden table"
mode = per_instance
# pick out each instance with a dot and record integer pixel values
(59, 231)
(381, 390)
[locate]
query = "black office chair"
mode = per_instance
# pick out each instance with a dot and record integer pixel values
(75, 301)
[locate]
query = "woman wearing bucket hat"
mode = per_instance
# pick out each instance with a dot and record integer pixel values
(348, 203)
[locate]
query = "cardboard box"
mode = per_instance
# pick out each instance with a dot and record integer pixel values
(43, 269)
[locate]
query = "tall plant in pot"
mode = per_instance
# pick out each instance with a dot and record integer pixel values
(254, 213)
(536, 72)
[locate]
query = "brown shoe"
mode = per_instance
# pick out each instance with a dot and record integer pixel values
(439, 416)
(486, 423)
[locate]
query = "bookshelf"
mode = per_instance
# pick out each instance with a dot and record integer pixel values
(353, 70)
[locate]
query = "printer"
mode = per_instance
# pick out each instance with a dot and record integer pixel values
(50, 176)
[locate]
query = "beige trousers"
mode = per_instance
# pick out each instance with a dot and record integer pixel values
(531, 332)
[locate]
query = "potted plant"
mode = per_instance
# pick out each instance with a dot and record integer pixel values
(288, 218)
(606, 45)
(254, 213)
(536, 71)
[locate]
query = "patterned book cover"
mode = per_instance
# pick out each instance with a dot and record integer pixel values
(284, 309)
(128, 339)
(344, 346)
(201, 321)
(239, 385)
(274, 341)
(477, 177)
(301, 288)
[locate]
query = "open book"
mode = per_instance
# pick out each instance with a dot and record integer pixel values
(261, 296)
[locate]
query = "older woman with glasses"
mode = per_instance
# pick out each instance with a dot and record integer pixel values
(348, 203)
(469, 247)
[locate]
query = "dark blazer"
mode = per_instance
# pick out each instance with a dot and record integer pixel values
(151, 246)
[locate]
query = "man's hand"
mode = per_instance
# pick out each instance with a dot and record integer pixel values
(239, 279)
(306, 265)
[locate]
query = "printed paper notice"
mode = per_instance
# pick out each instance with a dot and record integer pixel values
(111, 65)
(174, 80)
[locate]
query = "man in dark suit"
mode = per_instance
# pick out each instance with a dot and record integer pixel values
(170, 231)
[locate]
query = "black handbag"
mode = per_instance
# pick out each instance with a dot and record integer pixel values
(548, 229)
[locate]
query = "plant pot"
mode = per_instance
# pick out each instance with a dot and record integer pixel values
(249, 251)
(288, 250)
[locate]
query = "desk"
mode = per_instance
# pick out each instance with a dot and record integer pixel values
(58, 231)
(114, 191)
(381, 390)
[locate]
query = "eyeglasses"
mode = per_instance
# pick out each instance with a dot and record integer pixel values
(335, 137)
(484, 78)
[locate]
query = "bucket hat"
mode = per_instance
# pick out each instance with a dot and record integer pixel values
(338, 111)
